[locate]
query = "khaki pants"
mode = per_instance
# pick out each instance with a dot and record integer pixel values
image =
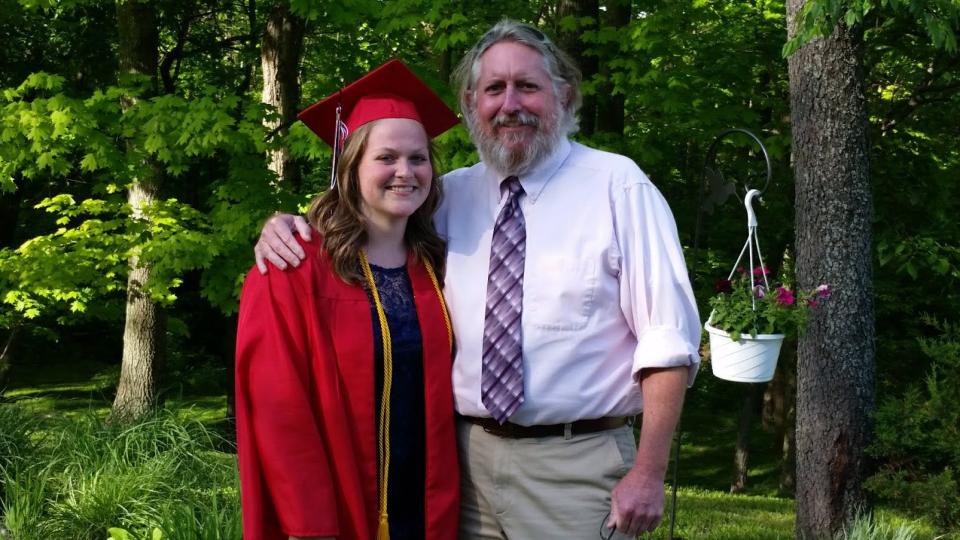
(542, 488)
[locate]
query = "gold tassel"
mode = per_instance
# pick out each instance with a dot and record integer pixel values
(383, 532)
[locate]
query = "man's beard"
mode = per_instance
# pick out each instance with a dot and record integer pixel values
(518, 160)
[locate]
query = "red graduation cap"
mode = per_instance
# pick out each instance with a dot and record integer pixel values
(389, 91)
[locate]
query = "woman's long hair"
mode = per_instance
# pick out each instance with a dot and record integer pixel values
(338, 215)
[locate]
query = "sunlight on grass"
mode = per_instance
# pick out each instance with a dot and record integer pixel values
(715, 515)
(168, 473)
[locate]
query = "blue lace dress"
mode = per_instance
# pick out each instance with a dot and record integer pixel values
(405, 490)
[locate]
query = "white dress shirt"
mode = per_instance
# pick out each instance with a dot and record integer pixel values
(605, 289)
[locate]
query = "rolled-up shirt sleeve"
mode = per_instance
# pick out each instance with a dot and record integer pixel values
(655, 294)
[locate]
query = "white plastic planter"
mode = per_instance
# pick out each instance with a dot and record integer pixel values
(750, 360)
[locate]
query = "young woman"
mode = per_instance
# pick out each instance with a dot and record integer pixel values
(344, 405)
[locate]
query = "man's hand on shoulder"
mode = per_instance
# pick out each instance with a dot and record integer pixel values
(277, 243)
(636, 503)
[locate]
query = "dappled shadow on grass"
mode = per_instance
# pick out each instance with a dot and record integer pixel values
(711, 515)
(61, 372)
(709, 432)
(67, 404)
(64, 389)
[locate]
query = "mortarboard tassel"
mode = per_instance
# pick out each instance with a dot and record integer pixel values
(339, 135)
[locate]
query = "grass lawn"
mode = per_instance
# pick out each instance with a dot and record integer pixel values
(75, 393)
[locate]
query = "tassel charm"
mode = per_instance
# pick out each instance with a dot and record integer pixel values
(383, 531)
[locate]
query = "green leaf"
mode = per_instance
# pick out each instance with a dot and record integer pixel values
(89, 163)
(119, 534)
(852, 18)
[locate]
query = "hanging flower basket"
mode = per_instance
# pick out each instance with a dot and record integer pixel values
(750, 319)
(751, 359)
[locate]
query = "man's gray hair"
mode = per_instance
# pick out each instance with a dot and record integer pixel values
(562, 69)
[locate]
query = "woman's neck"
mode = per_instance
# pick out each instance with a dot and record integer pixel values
(385, 246)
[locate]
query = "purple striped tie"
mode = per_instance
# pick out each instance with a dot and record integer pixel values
(501, 382)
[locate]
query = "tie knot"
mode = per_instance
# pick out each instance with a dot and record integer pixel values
(512, 184)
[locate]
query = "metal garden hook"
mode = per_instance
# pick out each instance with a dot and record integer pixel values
(749, 195)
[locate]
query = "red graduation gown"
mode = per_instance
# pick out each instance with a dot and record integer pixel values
(306, 425)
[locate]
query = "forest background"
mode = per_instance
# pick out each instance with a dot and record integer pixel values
(143, 144)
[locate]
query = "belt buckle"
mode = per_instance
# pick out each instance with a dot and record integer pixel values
(500, 430)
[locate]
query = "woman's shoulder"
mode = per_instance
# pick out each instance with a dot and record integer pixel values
(313, 262)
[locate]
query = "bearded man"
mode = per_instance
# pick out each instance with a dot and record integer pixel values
(570, 305)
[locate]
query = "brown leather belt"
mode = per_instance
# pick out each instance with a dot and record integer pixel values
(516, 431)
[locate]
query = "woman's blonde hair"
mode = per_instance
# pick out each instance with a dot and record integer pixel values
(338, 215)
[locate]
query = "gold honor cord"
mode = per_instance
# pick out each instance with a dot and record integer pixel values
(383, 430)
(443, 303)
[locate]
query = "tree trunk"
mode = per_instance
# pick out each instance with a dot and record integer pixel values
(788, 447)
(280, 54)
(144, 331)
(228, 345)
(835, 363)
(571, 43)
(741, 454)
(9, 212)
(6, 356)
(779, 411)
(611, 109)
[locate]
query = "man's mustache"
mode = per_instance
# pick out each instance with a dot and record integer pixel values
(516, 120)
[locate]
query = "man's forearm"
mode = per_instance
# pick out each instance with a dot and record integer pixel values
(663, 391)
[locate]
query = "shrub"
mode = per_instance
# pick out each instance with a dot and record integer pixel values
(916, 437)
(866, 527)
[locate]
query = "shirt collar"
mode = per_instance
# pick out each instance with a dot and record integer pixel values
(534, 181)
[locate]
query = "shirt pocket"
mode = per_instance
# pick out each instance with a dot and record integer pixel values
(559, 292)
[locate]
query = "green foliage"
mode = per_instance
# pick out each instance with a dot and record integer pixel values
(739, 309)
(917, 439)
(940, 19)
(161, 472)
(867, 527)
(17, 431)
(117, 533)
(86, 256)
(686, 70)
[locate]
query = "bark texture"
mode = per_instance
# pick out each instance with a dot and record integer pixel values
(144, 330)
(611, 108)
(280, 54)
(741, 454)
(6, 355)
(835, 363)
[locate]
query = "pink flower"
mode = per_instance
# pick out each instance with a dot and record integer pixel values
(761, 271)
(812, 303)
(823, 291)
(785, 296)
(759, 291)
(741, 270)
